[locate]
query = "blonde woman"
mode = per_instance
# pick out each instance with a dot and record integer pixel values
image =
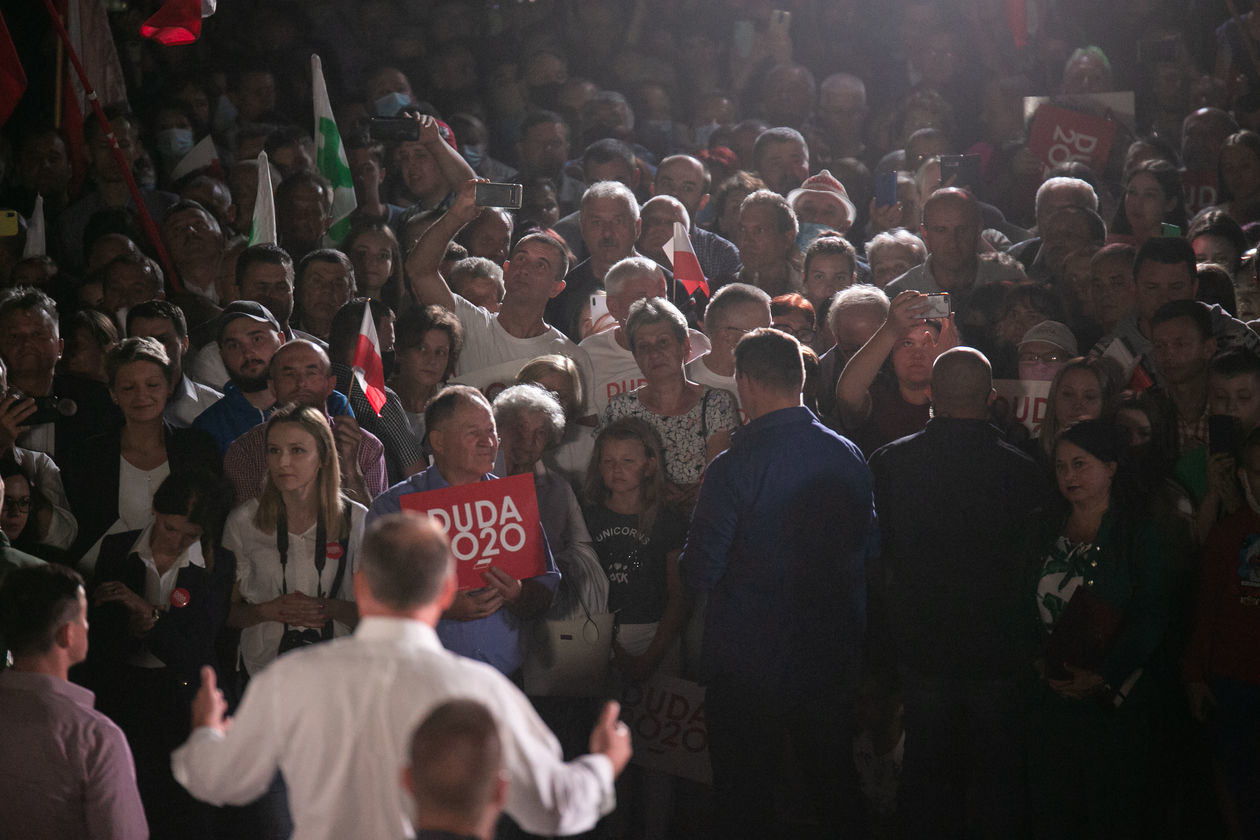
(295, 545)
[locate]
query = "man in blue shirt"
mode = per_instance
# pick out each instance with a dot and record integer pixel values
(482, 624)
(779, 541)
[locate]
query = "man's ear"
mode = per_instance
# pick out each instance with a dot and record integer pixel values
(501, 784)
(704, 202)
(559, 287)
(450, 586)
(61, 638)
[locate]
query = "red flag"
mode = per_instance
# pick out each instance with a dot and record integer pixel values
(368, 368)
(176, 22)
(12, 76)
(686, 266)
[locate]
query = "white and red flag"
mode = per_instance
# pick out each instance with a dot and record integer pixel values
(368, 368)
(683, 259)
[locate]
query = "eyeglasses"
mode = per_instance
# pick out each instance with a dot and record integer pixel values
(804, 335)
(19, 505)
(1048, 358)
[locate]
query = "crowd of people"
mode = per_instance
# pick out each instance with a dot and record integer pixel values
(941, 482)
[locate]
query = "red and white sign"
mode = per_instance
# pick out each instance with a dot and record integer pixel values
(1200, 188)
(1060, 136)
(1027, 399)
(489, 523)
(666, 720)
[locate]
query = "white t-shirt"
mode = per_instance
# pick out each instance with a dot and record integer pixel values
(491, 357)
(699, 373)
(615, 370)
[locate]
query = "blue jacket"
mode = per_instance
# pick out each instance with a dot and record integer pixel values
(780, 537)
(234, 415)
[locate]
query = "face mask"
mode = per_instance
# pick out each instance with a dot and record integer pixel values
(1038, 371)
(390, 104)
(474, 154)
(174, 143)
(807, 233)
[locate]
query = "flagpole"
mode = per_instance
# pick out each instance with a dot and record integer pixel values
(146, 220)
(58, 76)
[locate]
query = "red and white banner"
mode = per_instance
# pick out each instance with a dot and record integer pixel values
(1060, 136)
(1027, 399)
(489, 523)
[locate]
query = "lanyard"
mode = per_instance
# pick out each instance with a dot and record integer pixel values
(321, 552)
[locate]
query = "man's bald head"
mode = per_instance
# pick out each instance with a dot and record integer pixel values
(962, 382)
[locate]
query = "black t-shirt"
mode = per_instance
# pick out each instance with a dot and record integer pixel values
(637, 588)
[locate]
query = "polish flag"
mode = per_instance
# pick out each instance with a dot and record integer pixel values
(177, 21)
(368, 368)
(683, 259)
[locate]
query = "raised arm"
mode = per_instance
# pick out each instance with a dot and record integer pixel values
(853, 388)
(425, 260)
(455, 170)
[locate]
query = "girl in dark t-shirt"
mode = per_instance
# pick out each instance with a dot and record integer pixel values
(638, 541)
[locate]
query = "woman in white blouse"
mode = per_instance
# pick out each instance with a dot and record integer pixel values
(295, 545)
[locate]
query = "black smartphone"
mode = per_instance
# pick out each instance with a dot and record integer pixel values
(491, 194)
(1222, 434)
(960, 171)
(393, 129)
(49, 409)
(886, 189)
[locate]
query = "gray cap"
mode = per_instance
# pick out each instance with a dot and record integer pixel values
(1052, 332)
(251, 309)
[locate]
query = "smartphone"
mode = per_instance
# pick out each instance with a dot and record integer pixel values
(936, 306)
(1222, 434)
(960, 171)
(744, 38)
(1171, 231)
(393, 129)
(8, 223)
(886, 189)
(499, 195)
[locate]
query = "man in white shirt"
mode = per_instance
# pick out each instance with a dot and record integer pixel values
(498, 344)
(336, 718)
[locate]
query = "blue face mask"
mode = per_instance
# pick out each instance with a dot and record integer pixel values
(390, 104)
(474, 154)
(174, 143)
(807, 233)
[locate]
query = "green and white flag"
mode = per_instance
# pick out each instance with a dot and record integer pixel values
(330, 157)
(263, 229)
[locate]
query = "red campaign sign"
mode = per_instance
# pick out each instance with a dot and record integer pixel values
(489, 523)
(1199, 186)
(1060, 136)
(667, 724)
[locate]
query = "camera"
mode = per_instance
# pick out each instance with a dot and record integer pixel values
(299, 637)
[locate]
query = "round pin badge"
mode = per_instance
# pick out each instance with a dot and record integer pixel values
(180, 597)
(333, 551)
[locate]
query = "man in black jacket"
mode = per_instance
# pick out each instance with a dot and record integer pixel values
(948, 498)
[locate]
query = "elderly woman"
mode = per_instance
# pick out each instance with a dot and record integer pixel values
(559, 375)
(531, 421)
(892, 253)
(694, 421)
(110, 478)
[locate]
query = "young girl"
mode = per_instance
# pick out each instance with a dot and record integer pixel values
(638, 541)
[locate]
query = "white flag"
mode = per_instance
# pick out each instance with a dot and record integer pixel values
(36, 231)
(199, 157)
(263, 231)
(330, 158)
